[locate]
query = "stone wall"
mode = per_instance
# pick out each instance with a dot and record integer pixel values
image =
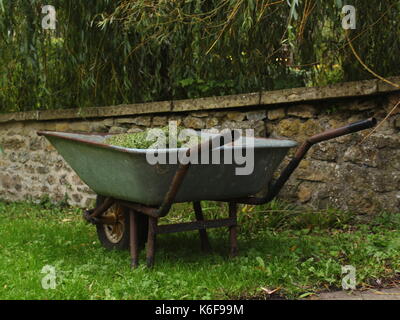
(344, 173)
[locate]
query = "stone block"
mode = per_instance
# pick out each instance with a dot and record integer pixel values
(302, 111)
(159, 121)
(235, 116)
(194, 123)
(276, 114)
(117, 130)
(256, 115)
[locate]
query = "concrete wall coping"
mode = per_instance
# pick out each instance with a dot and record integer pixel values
(264, 98)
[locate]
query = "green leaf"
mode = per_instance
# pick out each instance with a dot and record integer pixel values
(307, 294)
(293, 12)
(334, 253)
(261, 262)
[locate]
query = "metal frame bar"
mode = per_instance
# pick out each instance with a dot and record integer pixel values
(151, 241)
(133, 240)
(196, 225)
(233, 229)
(205, 243)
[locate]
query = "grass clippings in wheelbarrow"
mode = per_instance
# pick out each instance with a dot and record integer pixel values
(145, 139)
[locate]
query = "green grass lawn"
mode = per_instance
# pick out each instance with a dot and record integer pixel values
(281, 247)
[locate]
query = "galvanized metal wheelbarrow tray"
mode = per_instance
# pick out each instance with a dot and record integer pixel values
(130, 189)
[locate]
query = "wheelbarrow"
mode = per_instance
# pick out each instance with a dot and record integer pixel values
(133, 194)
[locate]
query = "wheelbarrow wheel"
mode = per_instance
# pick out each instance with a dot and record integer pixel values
(116, 236)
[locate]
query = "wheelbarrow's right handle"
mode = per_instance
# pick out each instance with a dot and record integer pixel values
(301, 152)
(335, 133)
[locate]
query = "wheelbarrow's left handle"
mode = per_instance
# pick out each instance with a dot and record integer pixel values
(301, 152)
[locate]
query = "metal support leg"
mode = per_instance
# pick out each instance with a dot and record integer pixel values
(134, 239)
(233, 229)
(151, 239)
(205, 243)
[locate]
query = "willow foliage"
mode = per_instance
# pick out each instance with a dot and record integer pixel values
(109, 52)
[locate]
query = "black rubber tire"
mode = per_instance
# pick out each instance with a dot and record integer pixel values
(123, 244)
